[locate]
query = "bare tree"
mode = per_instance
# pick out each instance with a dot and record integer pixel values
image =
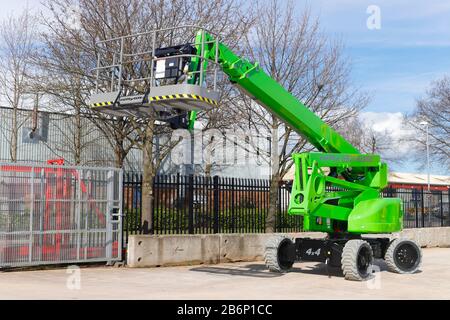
(353, 131)
(18, 39)
(294, 52)
(376, 142)
(224, 17)
(434, 108)
(370, 141)
(70, 54)
(65, 62)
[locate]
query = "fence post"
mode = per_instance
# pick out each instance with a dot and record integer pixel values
(109, 213)
(78, 206)
(41, 214)
(30, 245)
(120, 195)
(216, 203)
(422, 205)
(279, 216)
(414, 193)
(178, 204)
(191, 205)
(442, 209)
(155, 197)
(124, 212)
(233, 216)
(448, 203)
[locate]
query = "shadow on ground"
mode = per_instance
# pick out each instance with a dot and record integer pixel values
(260, 270)
(249, 270)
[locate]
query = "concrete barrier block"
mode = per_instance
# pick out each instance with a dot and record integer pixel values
(150, 251)
(439, 237)
(192, 249)
(444, 237)
(446, 243)
(169, 250)
(432, 238)
(428, 237)
(413, 235)
(242, 247)
(447, 239)
(251, 247)
(142, 250)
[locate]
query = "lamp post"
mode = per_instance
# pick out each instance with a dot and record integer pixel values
(425, 123)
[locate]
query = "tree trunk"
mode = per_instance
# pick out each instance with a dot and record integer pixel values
(78, 134)
(274, 179)
(273, 205)
(119, 153)
(147, 182)
(14, 135)
(208, 168)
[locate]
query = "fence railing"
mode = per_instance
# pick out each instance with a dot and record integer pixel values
(423, 208)
(194, 204)
(59, 214)
(197, 205)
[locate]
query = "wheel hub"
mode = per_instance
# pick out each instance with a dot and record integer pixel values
(364, 260)
(284, 259)
(406, 256)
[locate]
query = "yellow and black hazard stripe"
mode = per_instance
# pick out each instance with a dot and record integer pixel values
(183, 96)
(102, 104)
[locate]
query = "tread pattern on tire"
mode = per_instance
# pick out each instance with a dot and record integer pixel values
(389, 256)
(349, 259)
(271, 254)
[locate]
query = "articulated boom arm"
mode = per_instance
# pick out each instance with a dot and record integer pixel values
(269, 93)
(355, 206)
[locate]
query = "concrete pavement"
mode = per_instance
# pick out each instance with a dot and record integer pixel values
(243, 280)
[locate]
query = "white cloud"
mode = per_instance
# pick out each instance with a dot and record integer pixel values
(384, 121)
(392, 124)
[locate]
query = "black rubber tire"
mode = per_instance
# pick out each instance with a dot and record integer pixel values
(395, 258)
(356, 260)
(271, 256)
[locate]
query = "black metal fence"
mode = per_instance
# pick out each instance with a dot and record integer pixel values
(201, 205)
(423, 208)
(194, 204)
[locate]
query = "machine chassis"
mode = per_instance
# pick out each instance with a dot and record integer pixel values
(354, 254)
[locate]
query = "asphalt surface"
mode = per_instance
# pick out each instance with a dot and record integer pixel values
(243, 280)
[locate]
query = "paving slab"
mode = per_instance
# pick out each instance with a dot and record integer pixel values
(242, 280)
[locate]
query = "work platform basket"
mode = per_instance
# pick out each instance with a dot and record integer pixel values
(152, 73)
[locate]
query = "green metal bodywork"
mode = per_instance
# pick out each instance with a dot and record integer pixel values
(355, 205)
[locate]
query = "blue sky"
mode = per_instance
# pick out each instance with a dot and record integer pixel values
(395, 64)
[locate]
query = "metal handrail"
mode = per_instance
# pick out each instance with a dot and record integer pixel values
(116, 77)
(159, 30)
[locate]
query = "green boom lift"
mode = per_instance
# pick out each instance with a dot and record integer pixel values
(337, 189)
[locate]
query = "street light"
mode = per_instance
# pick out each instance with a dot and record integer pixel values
(425, 123)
